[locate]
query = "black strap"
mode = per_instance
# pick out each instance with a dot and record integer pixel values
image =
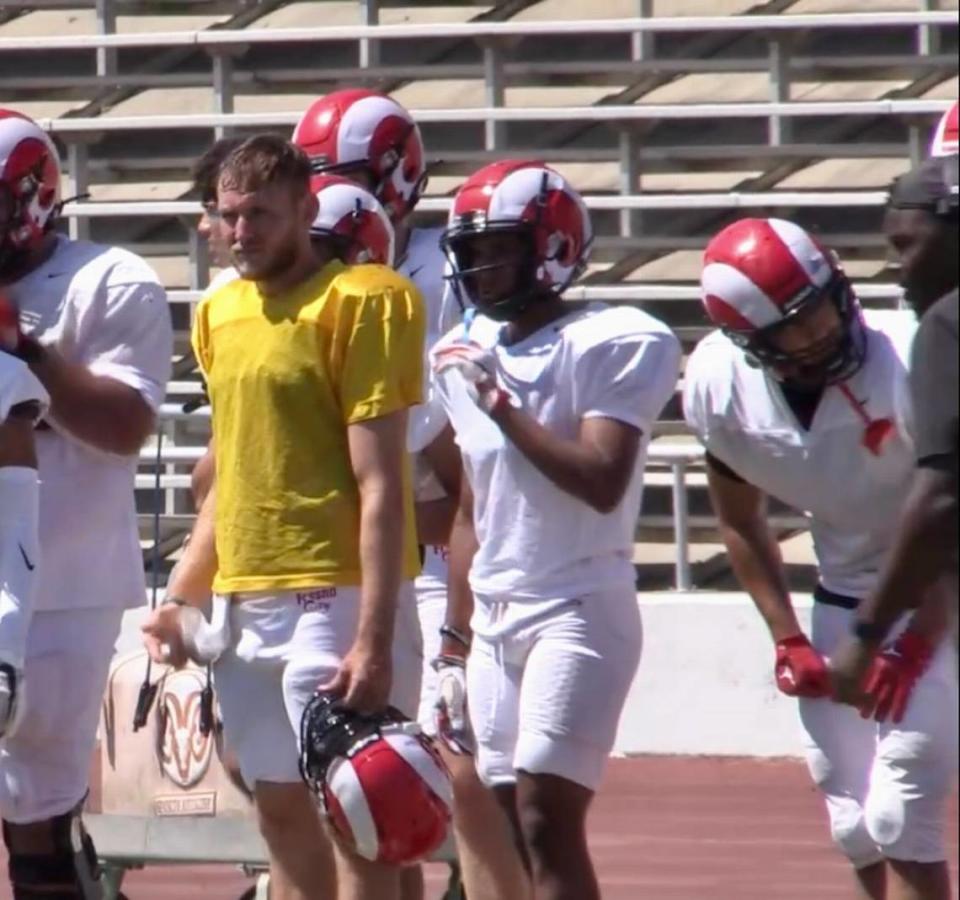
(148, 691)
(829, 598)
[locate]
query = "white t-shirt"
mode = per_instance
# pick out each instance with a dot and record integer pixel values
(853, 497)
(19, 385)
(424, 264)
(538, 542)
(103, 308)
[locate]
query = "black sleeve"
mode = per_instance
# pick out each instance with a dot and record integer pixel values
(934, 384)
(718, 465)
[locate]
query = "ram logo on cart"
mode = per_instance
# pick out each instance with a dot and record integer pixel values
(185, 752)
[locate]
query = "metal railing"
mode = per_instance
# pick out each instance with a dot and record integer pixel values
(679, 458)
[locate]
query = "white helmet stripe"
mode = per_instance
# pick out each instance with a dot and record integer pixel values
(343, 782)
(359, 124)
(413, 753)
(13, 130)
(733, 287)
(807, 254)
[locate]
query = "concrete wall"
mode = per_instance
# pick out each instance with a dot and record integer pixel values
(705, 684)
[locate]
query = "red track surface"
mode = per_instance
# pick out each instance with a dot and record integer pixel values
(663, 828)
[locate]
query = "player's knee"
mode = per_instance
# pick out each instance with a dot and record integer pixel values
(61, 864)
(911, 830)
(851, 836)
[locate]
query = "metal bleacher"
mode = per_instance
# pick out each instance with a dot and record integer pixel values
(672, 116)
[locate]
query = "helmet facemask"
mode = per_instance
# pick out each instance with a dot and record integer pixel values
(459, 244)
(830, 360)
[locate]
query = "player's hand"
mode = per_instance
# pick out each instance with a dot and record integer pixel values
(848, 669)
(450, 709)
(364, 680)
(893, 676)
(163, 636)
(10, 334)
(478, 368)
(800, 670)
(12, 338)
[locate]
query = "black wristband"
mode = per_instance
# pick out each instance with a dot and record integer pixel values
(455, 634)
(868, 632)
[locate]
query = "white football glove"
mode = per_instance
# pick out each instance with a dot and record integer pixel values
(450, 710)
(11, 699)
(478, 368)
(205, 641)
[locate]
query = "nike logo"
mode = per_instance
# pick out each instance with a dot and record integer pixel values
(26, 559)
(413, 274)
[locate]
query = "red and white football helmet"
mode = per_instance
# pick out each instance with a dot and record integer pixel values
(361, 129)
(533, 201)
(946, 139)
(29, 183)
(354, 219)
(759, 274)
(380, 781)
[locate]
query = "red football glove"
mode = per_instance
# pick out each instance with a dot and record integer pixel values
(800, 670)
(893, 675)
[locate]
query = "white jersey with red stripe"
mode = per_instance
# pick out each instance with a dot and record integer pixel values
(946, 138)
(18, 386)
(851, 493)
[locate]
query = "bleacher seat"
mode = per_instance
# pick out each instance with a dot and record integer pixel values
(699, 124)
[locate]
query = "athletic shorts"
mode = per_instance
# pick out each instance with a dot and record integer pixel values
(547, 681)
(886, 786)
(284, 646)
(45, 764)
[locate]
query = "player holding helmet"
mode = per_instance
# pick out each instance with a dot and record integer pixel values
(94, 328)
(796, 396)
(370, 138)
(311, 366)
(553, 408)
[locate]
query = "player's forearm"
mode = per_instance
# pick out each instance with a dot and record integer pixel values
(95, 409)
(932, 618)
(463, 547)
(578, 469)
(381, 564)
(757, 562)
(921, 554)
(192, 578)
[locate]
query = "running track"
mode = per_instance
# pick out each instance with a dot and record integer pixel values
(663, 828)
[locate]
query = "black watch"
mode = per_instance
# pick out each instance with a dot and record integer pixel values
(868, 632)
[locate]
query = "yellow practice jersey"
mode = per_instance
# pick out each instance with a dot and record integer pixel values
(287, 376)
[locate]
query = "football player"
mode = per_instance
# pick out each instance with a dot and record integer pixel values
(795, 396)
(921, 226)
(553, 407)
(306, 360)
(94, 327)
(371, 139)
